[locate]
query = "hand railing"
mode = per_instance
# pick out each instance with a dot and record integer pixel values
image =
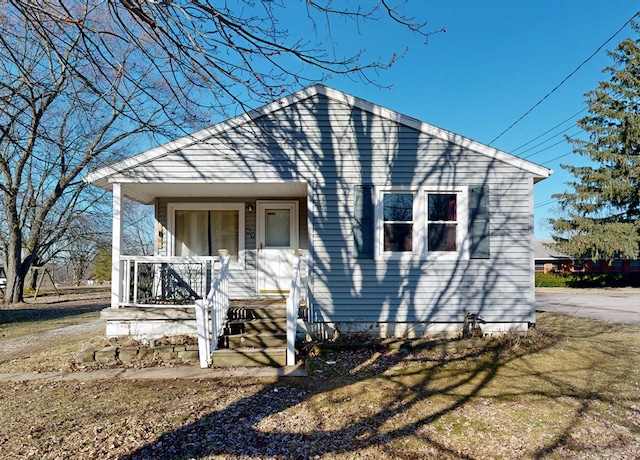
(211, 312)
(165, 281)
(293, 305)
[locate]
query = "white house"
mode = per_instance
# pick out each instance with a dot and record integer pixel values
(403, 226)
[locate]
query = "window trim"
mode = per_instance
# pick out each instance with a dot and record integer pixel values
(428, 222)
(171, 218)
(420, 202)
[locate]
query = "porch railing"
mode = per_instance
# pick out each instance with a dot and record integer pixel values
(165, 281)
(293, 306)
(211, 313)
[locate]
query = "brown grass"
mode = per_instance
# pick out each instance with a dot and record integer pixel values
(571, 389)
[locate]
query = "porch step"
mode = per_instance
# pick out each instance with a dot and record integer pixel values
(258, 310)
(249, 357)
(253, 340)
(255, 334)
(256, 326)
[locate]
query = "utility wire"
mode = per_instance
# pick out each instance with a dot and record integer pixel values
(545, 203)
(564, 80)
(557, 158)
(548, 131)
(544, 142)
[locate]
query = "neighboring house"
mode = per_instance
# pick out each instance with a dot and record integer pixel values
(548, 260)
(403, 226)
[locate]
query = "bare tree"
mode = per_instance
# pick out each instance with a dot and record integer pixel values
(236, 53)
(58, 117)
(84, 237)
(138, 228)
(79, 79)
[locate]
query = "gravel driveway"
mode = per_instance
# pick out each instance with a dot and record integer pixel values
(616, 305)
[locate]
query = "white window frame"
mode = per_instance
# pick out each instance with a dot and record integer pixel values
(419, 244)
(240, 207)
(379, 227)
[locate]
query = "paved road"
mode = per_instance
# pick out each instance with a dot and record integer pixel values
(617, 305)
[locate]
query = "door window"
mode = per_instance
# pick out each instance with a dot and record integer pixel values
(277, 228)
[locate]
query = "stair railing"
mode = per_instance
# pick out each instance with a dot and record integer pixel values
(293, 305)
(212, 311)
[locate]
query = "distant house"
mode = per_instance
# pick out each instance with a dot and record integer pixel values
(548, 260)
(403, 227)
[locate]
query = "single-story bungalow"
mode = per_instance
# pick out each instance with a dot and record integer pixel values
(401, 228)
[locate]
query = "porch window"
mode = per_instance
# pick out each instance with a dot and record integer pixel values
(442, 222)
(398, 222)
(205, 229)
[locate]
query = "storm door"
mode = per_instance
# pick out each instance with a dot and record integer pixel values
(277, 239)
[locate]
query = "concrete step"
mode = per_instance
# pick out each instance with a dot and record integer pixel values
(244, 311)
(244, 357)
(253, 340)
(256, 326)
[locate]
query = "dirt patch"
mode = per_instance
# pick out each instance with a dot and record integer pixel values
(44, 333)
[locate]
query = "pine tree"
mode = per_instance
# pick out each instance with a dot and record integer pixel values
(600, 216)
(102, 265)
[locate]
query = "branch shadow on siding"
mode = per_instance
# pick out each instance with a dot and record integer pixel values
(310, 142)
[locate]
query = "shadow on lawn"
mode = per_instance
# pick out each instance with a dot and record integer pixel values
(415, 382)
(44, 312)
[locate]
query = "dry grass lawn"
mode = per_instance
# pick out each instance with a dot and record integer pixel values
(571, 389)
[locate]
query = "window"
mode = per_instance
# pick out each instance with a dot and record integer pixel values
(203, 229)
(426, 222)
(442, 222)
(398, 222)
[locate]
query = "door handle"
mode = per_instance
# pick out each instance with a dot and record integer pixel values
(261, 246)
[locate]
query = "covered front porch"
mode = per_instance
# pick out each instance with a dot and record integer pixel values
(214, 243)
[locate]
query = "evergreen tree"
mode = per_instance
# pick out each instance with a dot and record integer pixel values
(600, 215)
(102, 265)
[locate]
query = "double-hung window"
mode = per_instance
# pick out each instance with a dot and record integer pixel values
(423, 222)
(442, 222)
(397, 209)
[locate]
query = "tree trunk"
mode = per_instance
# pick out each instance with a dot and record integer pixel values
(14, 291)
(31, 279)
(16, 271)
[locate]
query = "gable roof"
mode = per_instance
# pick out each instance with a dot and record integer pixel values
(101, 176)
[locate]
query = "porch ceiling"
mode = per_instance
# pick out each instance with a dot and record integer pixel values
(146, 193)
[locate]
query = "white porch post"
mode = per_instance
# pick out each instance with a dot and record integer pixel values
(116, 247)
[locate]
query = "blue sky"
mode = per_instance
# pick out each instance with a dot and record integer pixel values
(494, 62)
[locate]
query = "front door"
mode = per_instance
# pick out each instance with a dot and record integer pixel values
(277, 238)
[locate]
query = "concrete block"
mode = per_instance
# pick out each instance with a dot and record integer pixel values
(87, 356)
(106, 354)
(145, 353)
(128, 354)
(190, 355)
(165, 353)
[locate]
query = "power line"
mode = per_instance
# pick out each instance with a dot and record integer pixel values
(557, 158)
(564, 80)
(545, 141)
(548, 131)
(546, 203)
